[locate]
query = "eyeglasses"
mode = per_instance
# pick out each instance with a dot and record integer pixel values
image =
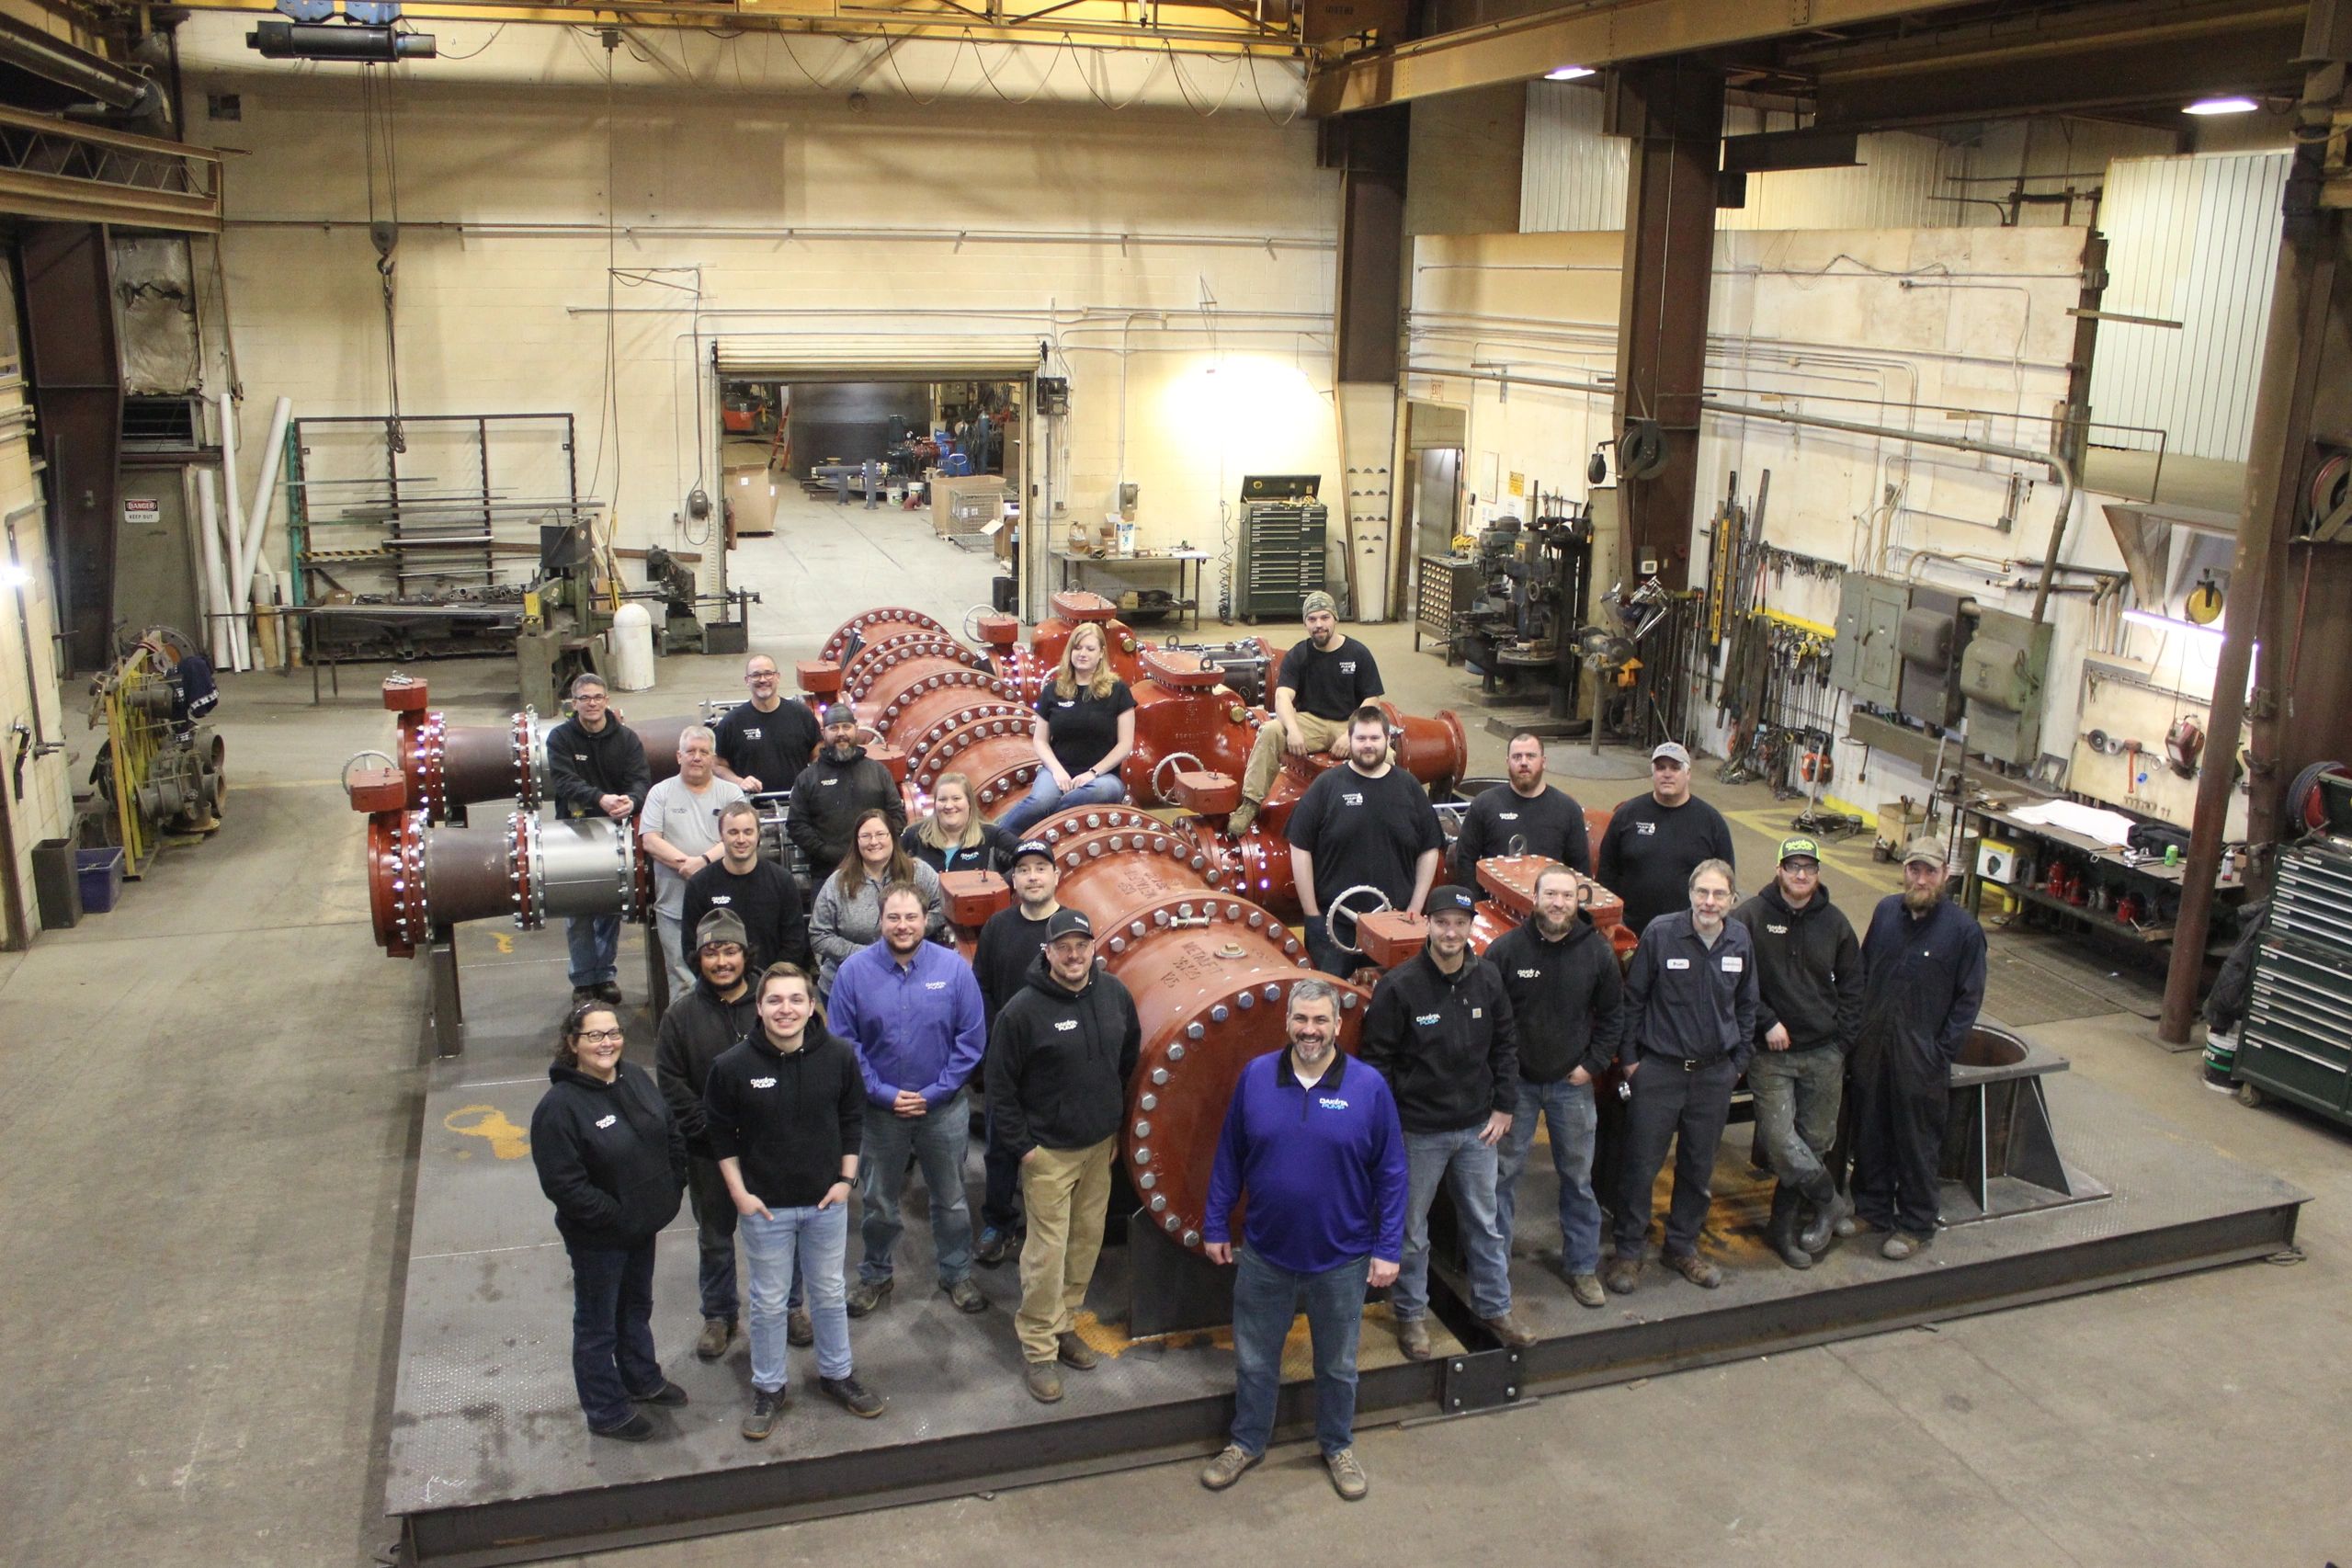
(1795, 870)
(600, 1037)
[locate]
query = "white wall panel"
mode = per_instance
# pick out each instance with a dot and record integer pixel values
(2192, 240)
(1571, 176)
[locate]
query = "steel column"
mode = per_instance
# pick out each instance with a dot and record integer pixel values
(1673, 113)
(77, 388)
(2294, 348)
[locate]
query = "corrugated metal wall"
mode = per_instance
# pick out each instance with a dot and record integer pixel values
(1571, 176)
(2192, 240)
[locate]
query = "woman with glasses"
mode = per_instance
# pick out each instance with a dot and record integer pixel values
(1085, 727)
(954, 837)
(847, 915)
(614, 1165)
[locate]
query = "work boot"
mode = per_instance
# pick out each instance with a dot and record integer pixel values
(760, 1420)
(1227, 1467)
(1347, 1477)
(1506, 1330)
(1242, 815)
(1045, 1383)
(1072, 1351)
(966, 1296)
(1830, 1213)
(717, 1334)
(1900, 1244)
(1413, 1338)
(669, 1395)
(584, 993)
(1624, 1274)
(799, 1328)
(1586, 1289)
(992, 1247)
(1780, 1230)
(851, 1395)
(609, 991)
(636, 1429)
(1693, 1268)
(1851, 1225)
(869, 1294)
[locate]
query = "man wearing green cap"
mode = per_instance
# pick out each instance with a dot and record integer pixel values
(1323, 679)
(1809, 974)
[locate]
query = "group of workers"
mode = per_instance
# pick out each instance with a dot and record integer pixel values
(804, 1059)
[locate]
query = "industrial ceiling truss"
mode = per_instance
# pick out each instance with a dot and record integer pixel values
(74, 173)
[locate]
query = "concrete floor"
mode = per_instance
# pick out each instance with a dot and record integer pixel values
(208, 1106)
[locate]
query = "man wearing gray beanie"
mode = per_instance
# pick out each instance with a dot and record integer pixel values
(841, 782)
(1323, 679)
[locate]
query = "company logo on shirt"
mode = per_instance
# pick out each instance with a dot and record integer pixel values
(722, 898)
(1331, 1105)
(749, 735)
(1677, 963)
(763, 1083)
(1065, 1025)
(607, 1122)
(1425, 1020)
(1347, 666)
(1065, 702)
(1777, 930)
(1356, 798)
(579, 757)
(1645, 828)
(1530, 975)
(1506, 816)
(935, 985)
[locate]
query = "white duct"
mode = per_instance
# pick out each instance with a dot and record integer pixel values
(240, 569)
(265, 490)
(216, 581)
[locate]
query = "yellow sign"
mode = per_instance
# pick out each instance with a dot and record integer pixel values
(1519, 484)
(507, 1140)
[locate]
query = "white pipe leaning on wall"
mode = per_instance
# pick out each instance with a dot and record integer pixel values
(265, 489)
(232, 522)
(216, 579)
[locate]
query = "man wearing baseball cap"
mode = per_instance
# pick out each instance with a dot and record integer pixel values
(1809, 980)
(1058, 1064)
(841, 782)
(1441, 1031)
(1924, 959)
(1323, 679)
(1009, 944)
(697, 1028)
(1655, 841)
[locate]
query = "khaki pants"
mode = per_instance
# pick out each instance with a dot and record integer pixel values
(1266, 752)
(1066, 1192)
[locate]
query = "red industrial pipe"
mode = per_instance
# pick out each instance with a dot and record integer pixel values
(1074, 609)
(447, 765)
(1389, 938)
(875, 625)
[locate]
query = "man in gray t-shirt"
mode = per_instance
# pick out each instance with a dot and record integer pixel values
(680, 831)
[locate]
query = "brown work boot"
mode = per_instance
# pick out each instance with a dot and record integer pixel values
(1623, 1275)
(1045, 1383)
(1901, 1245)
(1241, 817)
(1586, 1289)
(1072, 1351)
(717, 1334)
(1693, 1268)
(1507, 1331)
(1413, 1338)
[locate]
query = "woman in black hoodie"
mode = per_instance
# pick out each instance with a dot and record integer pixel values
(614, 1165)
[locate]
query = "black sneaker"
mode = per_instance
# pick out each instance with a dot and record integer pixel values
(851, 1395)
(669, 1395)
(761, 1419)
(636, 1429)
(584, 993)
(609, 991)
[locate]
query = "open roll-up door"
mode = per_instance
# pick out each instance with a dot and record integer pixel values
(950, 356)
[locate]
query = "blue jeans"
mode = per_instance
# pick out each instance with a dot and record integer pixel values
(1323, 953)
(595, 941)
(1568, 1111)
(1430, 1159)
(1046, 797)
(612, 1329)
(1265, 1298)
(820, 1238)
(937, 1140)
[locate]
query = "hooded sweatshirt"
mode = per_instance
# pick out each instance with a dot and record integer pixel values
(828, 799)
(695, 1031)
(609, 1156)
(1807, 969)
(583, 766)
(1567, 998)
(787, 1119)
(1059, 1061)
(1446, 1043)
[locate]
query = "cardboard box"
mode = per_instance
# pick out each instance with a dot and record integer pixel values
(750, 489)
(966, 504)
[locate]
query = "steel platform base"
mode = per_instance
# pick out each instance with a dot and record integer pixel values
(490, 1461)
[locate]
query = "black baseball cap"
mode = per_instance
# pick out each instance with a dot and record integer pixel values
(1451, 899)
(1037, 847)
(1069, 922)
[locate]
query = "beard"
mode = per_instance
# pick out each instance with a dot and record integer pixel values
(1919, 901)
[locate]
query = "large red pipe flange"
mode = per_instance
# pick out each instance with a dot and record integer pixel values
(995, 752)
(925, 691)
(857, 675)
(917, 742)
(875, 625)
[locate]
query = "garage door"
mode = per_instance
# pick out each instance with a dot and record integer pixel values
(944, 356)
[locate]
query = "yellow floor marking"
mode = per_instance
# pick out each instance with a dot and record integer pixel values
(507, 1140)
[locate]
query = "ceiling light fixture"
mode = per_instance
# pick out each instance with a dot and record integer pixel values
(1567, 72)
(2233, 105)
(2169, 624)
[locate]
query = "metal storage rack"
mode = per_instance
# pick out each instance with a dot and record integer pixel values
(1446, 587)
(1280, 559)
(2296, 1042)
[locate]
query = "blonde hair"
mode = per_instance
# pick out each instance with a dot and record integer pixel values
(974, 833)
(1065, 683)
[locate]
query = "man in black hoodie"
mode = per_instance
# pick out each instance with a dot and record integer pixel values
(595, 767)
(1059, 1058)
(1567, 997)
(833, 790)
(1441, 1031)
(1009, 946)
(697, 1028)
(1809, 979)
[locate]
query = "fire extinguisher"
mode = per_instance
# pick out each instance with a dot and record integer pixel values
(2127, 909)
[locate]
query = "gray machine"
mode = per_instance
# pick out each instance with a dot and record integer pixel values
(2002, 673)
